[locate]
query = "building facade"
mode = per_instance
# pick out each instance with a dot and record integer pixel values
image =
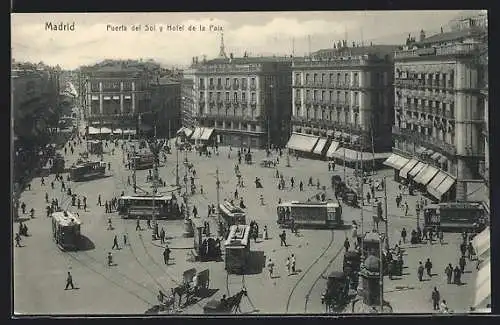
(485, 166)
(165, 112)
(345, 93)
(115, 95)
(187, 97)
(439, 111)
(246, 100)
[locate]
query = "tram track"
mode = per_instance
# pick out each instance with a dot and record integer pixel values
(333, 259)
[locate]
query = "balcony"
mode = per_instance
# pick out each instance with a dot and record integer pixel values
(211, 87)
(219, 87)
(243, 87)
(236, 87)
(253, 87)
(453, 49)
(424, 140)
(228, 87)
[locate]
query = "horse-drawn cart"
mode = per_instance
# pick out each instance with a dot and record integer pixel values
(194, 284)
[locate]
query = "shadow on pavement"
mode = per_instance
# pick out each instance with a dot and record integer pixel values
(85, 244)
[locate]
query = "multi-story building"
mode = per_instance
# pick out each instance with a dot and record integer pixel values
(165, 112)
(485, 167)
(439, 111)
(247, 100)
(344, 94)
(116, 95)
(187, 96)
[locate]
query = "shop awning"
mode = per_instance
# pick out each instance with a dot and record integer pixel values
(331, 150)
(351, 155)
(415, 170)
(404, 171)
(483, 286)
(396, 161)
(197, 133)
(435, 156)
(320, 146)
(481, 242)
(105, 130)
(434, 184)
(186, 131)
(207, 133)
(426, 175)
(302, 142)
(116, 97)
(445, 185)
(127, 97)
(95, 97)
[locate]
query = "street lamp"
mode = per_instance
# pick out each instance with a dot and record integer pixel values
(155, 145)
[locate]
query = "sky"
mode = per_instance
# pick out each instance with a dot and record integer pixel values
(257, 33)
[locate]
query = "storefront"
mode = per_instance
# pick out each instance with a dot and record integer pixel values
(320, 147)
(396, 162)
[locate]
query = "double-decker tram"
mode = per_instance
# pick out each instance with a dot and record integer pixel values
(66, 230)
(87, 170)
(143, 161)
(164, 207)
(237, 247)
(455, 216)
(310, 215)
(231, 215)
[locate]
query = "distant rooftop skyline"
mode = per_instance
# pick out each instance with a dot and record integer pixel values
(256, 33)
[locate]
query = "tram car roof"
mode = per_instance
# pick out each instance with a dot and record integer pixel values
(66, 218)
(231, 207)
(303, 204)
(88, 163)
(146, 197)
(238, 236)
(372, 236)
(460, 205)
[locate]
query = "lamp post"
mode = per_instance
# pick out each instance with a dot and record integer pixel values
(155, 146)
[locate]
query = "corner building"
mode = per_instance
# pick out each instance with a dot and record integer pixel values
(246, 100)
(439, 112)
(344, 96)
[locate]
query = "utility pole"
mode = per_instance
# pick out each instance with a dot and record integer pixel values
(362, 217)
(177, 164)
(218, 192)
(381, 275)
(386, 217)
(134, 163)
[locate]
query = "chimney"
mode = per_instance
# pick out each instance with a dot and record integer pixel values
(422, 35)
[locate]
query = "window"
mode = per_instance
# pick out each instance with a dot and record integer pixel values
(338, 116)
(202, 83)
(202, 96)
(236, 82)
(307, 78)
(338, 78)
(323, 95)
(252, 82)
(356, 79)
(338, 96)
(346, 117)
(235, 97)
(210, 95)
(244, 82)
(243, 97)
(297, 78)
(322, 78)
(331, 78)
(227, 82)
(218, 96)
(252, 97)
(297, 93)
(331, 96)
(308, 94)
(315, 95)
(346, 97)
(315, 78)
(253, 127)
(356, 99)
(211, 81)
(346, 78)
(227, 96)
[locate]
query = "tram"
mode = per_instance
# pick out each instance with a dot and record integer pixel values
(87, 170)
(237, 247)
(144, 161)
(165, 207)
(310, 214)
(231, 214)
(455, 216)
(66, 230)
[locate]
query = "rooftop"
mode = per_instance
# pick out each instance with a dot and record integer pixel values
(250, 60)
(165, 81)
(454, 35)
(376, 50)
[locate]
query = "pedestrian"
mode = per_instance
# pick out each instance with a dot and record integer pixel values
(46, 197)
(420, 271)
(23, 207)
(52, 185)
(441, 236)
(449, 273)
(368, 197)
(99, 200)
(110, 224)
(110, 259)
(292, 263)
(32, 213)
(166, 255)
(236, 194)
(283, 239)
(435, 299)
(195, 212)
(456, 275)
(125, 240)
(406, 208)
(148, 223)
(78, 203)
(462, 262)
(463, 248)
(138, 224)
(470, 251)
(270, 267)
(42, 181)
(69, 282)
(18, 240)
(301, 186)
(347, 244)
(443, 307)
(266, 236)
(201, 189)
(162, 235)
(115, 243)
(428, 267)
(29, 186)
(261, 199)
(403, 235)
(287, 264)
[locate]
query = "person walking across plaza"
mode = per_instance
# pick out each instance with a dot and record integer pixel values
(288, 265)
(403, 235)
(406, 208)
(162, 235)
(456, 275)
(125, 241)
(420, 271)
(138, 224)
(435, 296)
(428, 267)
(18, 240)
(99, 203)
(266, 235)
(283, 239)
(347, 244)
(110, 259)
(292, 263)
(443, 307)
(69, 282)
(462, 262)
(115, 243)
(270, 268)
(449, 273)
(166, 255)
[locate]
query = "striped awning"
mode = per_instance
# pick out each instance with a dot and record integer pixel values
(207, 133)
(434, 184)
(426, 175)
(415, 170)
(404, 171)
(331, 150)
(197, 134)
(483, 286)
(320, 146)
(396, 161)
(302, 142)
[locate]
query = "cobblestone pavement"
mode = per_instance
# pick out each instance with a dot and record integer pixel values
(131, 286)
